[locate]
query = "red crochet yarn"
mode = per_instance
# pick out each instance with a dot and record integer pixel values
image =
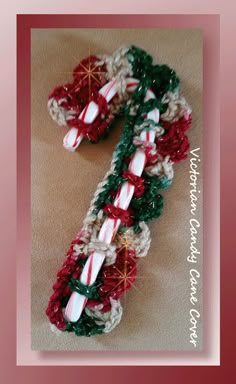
(88, 80)
(100, 125)
(69, 269)
(116, 279)
(88, 65)
(174, 142)
(151, 158)
(73, 99)
(136, 181)
(120, 276)
(119, 213)
(66, 104)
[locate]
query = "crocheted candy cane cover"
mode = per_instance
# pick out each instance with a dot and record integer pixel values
(101, 263)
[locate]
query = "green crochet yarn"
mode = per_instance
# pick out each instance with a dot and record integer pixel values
(161, 182)
(161, 77)
(150, 205)
(124, 149)
(85, 326)
(140, 60)
(90, 291)
(155, 120)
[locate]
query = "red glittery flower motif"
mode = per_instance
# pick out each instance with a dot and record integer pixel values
(120, 276)
(89, 78)
(88, 69)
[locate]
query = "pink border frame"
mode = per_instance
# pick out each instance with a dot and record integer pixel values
(210, 26)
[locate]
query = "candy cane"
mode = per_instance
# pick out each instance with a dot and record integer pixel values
(77, 301)
(73, 138)
(158, 147)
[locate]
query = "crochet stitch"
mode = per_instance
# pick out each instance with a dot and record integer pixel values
(101, 263)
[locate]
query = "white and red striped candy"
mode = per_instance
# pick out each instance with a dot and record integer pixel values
(110, 226)
(73, 138)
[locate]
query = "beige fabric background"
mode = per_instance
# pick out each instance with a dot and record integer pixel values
(156, 314)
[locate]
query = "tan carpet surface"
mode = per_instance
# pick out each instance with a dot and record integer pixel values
(156, 312)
